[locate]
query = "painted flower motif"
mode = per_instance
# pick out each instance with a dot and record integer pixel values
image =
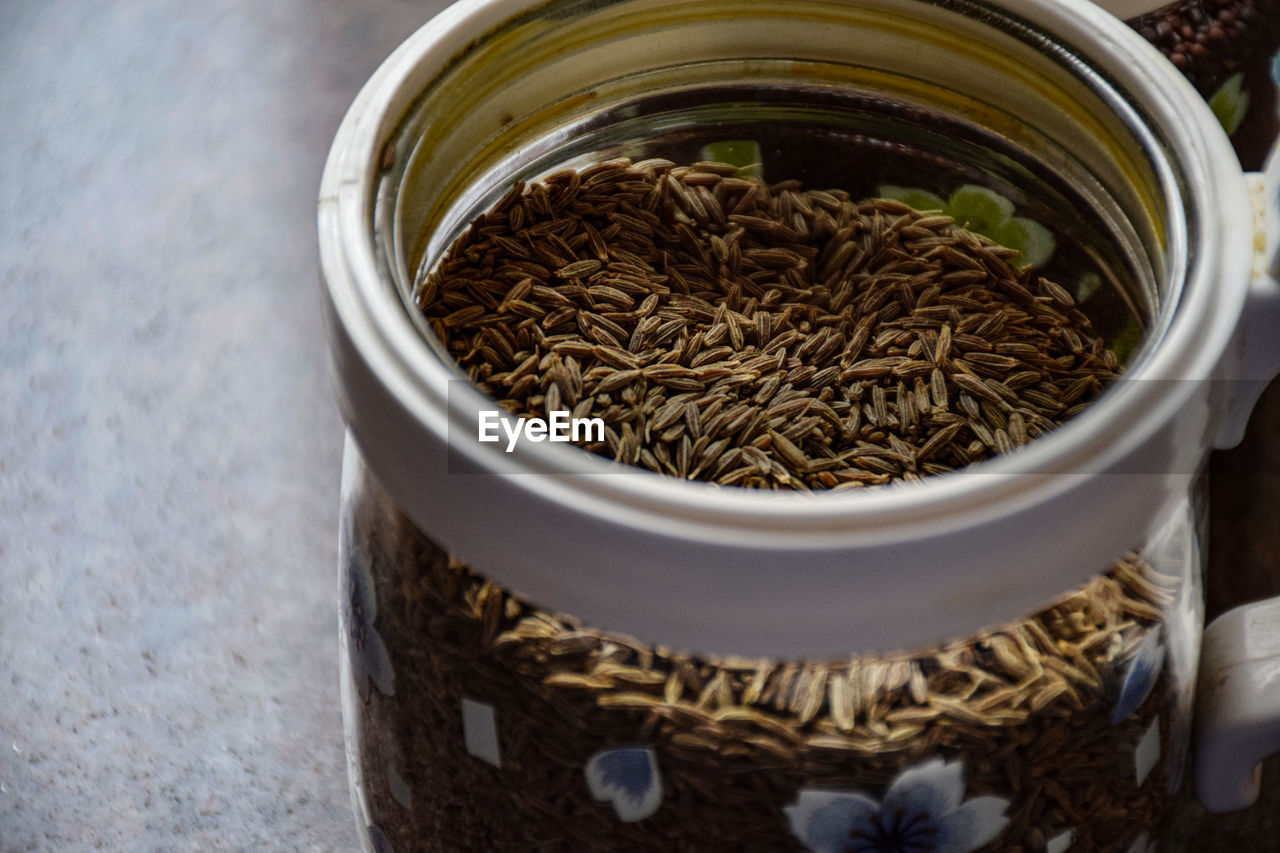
(1141, 674)
(1146, 755)
(923, 811)
(1143, 844)
(628, 778)
(1061, 842)
(1230, 103)
(369, 658)
(986, 212)
(743, 153)
(1087, 286)
(1126, 341)
(400, 790)
(480, 731)
(379, 840)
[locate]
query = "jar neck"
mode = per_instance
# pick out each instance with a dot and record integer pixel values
(448, 118)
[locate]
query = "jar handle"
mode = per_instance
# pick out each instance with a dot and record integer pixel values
(1259, 341)
(1237, 704)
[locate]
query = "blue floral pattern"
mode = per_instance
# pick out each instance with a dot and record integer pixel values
(1146, 755)
(480, 731)
(400, 790)
(370, 661)
(628, 778)
(923, 811)
(379, 840)
(1141, 674)
(1061, 842)
(1142, 844)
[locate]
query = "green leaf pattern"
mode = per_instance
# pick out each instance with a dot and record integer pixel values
(1230, 103)
(986, 212)
(743, 153)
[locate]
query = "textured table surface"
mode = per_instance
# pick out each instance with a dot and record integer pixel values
(169, 448)
(169, 451)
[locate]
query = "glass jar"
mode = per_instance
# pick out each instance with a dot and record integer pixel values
(477, 720)
(542, 651)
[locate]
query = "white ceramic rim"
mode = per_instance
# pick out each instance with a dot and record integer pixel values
(851, 545)
(1127, 9)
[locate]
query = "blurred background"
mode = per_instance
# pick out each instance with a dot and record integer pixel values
(169, 450)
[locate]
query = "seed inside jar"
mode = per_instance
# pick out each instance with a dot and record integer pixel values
(760, 334)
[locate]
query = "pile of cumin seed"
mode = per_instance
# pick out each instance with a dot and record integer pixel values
(754, 334)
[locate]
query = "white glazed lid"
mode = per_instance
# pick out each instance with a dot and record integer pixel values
(707, 569)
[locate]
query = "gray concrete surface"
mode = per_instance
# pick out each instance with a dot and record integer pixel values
(169, 450)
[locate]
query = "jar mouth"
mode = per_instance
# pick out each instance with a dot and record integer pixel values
(1161, 171)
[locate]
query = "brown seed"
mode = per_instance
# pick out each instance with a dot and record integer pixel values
(791, 454)
(854, 325)
(615, 381)
(938, 441)
(1057, 293)
(616, 357)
